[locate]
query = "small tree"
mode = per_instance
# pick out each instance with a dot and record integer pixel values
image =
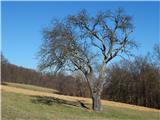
(87, 44)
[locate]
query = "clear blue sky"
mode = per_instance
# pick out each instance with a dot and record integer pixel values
(22, 24)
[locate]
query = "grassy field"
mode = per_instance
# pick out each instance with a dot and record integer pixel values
(20, 104)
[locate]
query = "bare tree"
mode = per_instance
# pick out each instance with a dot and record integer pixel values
(87, 44)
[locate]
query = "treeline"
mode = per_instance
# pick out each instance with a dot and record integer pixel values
(134, 81)
(65, 84)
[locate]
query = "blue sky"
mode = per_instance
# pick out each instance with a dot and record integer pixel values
(23, 22)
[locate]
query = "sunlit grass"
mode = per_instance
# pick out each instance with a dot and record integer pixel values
(20, 106)
(31, 87)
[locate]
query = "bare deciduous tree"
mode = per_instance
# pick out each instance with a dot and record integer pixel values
(87, 44)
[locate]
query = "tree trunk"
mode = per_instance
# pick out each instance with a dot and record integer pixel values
(96, 102)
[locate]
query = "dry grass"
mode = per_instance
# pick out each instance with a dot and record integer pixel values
(71, 98)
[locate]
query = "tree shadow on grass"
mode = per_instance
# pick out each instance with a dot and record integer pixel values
(3, 83)
(52, 100)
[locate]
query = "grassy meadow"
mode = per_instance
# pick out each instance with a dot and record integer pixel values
(43, 104)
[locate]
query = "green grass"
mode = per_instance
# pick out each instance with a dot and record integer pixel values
(30, 87)
(21, 107)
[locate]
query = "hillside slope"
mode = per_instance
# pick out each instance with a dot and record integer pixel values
(29, 103)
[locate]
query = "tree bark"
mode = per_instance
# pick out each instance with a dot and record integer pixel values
(96, 102)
